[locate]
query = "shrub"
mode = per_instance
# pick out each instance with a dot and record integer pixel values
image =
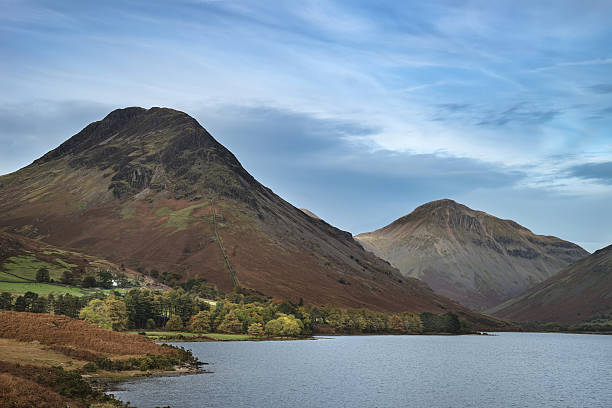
(256, 330)
(63, 331)
(42, 275)
(89, 282)
(175, 323)
(150, 324)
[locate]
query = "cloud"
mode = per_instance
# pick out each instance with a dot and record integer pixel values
(601, 88)
(325, 164)
(601, 172)
(600, 61)
(521, 114)
(279, 133)
(454, 107)
(27, 131)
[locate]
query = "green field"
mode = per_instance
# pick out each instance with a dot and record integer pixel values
(8, 277)
(40, 288)
(26, 267)
(45, 289)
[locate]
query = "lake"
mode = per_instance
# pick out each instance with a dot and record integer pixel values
(505, 370)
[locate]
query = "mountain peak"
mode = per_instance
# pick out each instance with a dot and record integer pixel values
(132, 125)
(469, 255)
(443, 203)
(124, 114)
(443, 211)
(157, 148)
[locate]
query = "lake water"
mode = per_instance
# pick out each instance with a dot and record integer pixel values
(506, 370)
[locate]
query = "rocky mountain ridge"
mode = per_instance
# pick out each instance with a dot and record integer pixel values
(470, 256)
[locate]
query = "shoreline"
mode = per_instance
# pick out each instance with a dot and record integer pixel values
(108, 381)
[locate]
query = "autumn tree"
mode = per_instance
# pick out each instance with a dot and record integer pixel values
(95, 312)
(200, 322)
(395, 323)
(230, 324)
(175, 323)
(110, 313)
(284, 326)
(412, 323)
(117, 313)
(256, 330)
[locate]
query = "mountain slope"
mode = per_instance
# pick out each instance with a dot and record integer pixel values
(21, 258)
(467, 255)
(153, 189)
(580, 292)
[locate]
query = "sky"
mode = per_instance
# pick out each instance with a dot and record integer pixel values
(358, 111)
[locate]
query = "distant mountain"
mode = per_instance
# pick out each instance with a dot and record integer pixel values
(580, 292)
(153, 189)
(469, 256)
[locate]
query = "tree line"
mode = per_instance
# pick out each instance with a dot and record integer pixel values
(181, 310)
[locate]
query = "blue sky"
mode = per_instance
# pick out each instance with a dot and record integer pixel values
(358, 111)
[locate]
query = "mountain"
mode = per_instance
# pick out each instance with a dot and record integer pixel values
(152, 189)
(467, 255)
(310, 213)
(580, 292)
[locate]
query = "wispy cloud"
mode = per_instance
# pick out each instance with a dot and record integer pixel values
(601, 61)
(601, 88)
(593, 171)
(521, 114)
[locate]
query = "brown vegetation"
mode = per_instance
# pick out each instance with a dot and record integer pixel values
(579, 293)
(16, 392)
(73, 337)
(15, 351)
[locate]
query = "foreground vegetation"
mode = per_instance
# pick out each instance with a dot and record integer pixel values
(85, 349)
(42, 387)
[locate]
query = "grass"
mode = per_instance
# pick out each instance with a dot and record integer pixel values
(214, 336)
(180, 219)
(54, 252)
(223, 336)
(127, 213)
(8, 277)
(26, 266)
(65, 264)
(36, 354)
(41, 288)
(44, 289)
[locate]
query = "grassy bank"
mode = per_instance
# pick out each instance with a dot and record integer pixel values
(178, 336)
(51, 360)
